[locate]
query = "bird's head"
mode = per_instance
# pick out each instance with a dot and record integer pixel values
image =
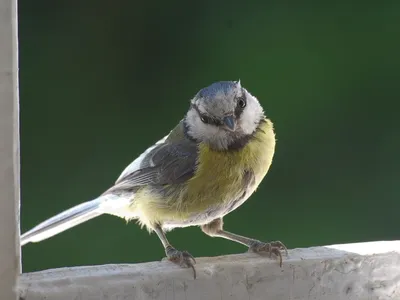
(223, 115)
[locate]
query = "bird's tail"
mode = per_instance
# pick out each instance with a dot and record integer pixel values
(63, 221)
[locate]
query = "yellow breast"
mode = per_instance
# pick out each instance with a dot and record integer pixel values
(220, 173)
(218, 180)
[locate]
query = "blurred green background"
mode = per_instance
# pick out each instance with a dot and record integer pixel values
(101, 81)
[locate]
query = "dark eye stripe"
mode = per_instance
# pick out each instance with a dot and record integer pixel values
(204, 118)
(196, 108)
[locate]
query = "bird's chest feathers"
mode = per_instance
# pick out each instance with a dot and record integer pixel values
(225, 176)
(222, 182)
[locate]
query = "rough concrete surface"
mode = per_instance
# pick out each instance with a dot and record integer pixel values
(326, 273)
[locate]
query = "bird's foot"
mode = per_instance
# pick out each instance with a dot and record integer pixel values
(182, 258)
(271, 248)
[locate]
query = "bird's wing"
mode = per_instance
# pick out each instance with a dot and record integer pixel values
(172, 160)
(136, 164)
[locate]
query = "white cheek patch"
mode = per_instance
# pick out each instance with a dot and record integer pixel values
(198, 129)
(251, 114)
(206, 132)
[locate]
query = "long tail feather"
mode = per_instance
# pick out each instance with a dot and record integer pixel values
(63, 221)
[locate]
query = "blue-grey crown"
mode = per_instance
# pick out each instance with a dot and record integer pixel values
(216, 87)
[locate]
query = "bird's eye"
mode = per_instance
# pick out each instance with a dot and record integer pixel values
(242, 103)
(204, 119)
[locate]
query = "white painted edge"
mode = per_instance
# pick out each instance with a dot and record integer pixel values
(351, 271)
(9, 151)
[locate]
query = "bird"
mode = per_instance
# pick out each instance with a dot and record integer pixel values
(205, 168)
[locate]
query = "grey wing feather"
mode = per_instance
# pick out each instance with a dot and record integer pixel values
(169, 162)
(137, 163)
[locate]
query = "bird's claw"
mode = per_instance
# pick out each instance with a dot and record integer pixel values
(182, 258)
(275, 247)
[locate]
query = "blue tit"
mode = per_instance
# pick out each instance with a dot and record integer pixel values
(205, 168)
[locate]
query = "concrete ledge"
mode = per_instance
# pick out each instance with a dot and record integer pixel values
(351, 271)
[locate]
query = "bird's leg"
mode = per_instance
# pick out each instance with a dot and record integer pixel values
(215, 228)
(182, 258)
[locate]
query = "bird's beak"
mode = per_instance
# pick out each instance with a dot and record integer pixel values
(230, 123)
